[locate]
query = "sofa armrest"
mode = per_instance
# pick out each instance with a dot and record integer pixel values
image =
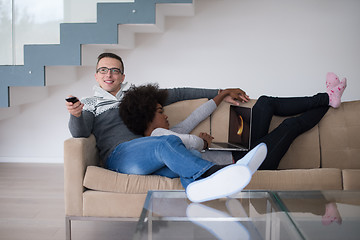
(78, 154)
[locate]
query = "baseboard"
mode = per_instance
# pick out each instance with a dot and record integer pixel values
(32, 159)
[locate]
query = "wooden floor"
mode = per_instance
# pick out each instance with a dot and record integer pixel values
(32, 206)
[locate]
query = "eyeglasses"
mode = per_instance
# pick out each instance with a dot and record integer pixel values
(104, 70)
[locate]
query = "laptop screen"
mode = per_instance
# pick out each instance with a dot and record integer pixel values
(240, 126)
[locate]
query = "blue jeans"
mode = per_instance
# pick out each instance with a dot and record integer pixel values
(164, 156)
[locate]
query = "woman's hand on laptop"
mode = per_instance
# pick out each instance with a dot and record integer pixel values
(207, 139)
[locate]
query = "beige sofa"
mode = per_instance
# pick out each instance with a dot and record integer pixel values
(325, 158)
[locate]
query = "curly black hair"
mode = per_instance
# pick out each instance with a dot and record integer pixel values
(138, 106)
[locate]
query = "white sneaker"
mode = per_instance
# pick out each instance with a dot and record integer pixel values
(254, 158)
(204, 216)
(223, 183)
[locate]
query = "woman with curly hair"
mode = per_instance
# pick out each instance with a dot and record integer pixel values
(142, 112)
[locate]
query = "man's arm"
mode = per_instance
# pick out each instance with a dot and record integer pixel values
(233, 96)
(81, 126)
(180, 94)
(80, 122)
(74, 107)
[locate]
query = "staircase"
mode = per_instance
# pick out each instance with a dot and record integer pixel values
(116, 25)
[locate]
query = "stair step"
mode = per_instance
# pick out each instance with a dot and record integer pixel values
(138, 12)
(88, 33)
(51, 55)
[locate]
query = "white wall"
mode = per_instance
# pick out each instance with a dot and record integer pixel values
(277, 47)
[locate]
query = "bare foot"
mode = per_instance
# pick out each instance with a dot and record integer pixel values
(331, 215)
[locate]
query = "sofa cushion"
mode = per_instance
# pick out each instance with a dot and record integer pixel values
(100, 179)
(297, 179)
(304, 152)
(351, 179)
(340, 137)
(178, 111)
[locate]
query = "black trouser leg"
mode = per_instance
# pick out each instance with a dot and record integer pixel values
(312, 109)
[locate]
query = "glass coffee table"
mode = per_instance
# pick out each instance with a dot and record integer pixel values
(246, 215)
(252, 215)
(323, 214)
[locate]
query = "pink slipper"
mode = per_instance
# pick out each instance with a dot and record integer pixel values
(332, 80)
(335, 93)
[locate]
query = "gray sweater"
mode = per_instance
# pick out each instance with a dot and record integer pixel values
(101, 117)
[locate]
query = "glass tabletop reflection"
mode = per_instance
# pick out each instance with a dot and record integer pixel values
(246, 215)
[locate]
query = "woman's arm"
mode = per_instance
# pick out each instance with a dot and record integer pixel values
(190, 141)
(196, 117)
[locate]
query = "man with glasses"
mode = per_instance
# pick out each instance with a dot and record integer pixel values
(99, 115)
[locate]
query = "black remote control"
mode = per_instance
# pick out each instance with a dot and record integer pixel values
(72, 99)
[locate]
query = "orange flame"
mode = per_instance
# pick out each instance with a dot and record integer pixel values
(241, 126)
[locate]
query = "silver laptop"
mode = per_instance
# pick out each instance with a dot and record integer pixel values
(239, 131)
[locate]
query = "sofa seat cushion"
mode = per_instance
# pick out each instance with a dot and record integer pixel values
(297, 179)
(351, 179)
(100, 179)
